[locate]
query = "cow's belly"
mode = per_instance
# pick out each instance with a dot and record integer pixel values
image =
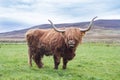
(45, 51)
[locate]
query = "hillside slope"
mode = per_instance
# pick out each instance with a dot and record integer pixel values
(102, 30)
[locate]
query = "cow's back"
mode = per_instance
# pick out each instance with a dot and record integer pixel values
(48, 39)
(52, 39)
(33, 35)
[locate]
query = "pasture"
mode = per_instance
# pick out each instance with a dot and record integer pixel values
(93, 61)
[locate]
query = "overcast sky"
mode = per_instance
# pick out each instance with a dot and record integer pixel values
(26, 13)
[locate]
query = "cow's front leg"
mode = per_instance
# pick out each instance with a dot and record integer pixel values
(65, 61)
(56, 61)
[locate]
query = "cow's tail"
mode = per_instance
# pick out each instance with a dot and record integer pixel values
(29, 42)
(29, 58)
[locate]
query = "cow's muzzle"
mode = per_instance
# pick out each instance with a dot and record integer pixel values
(71, 43)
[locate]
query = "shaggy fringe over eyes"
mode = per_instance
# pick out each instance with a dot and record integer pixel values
(73, 34)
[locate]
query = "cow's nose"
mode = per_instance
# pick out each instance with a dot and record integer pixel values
(71, 43)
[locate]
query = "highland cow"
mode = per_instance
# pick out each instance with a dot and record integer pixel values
(61, 43)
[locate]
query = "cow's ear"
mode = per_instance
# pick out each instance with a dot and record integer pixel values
(83, 33)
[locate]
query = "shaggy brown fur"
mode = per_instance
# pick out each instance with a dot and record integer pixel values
(49, 42)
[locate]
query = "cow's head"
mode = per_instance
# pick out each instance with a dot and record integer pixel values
(73, 35)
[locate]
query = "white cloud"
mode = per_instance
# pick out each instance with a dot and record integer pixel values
(36, 12)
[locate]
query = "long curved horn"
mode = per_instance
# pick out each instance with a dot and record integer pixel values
(90, 25)
(54, 27)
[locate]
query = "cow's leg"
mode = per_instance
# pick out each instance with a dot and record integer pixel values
(29, 57)
(38, 60)
(56, 61)
(65, 61)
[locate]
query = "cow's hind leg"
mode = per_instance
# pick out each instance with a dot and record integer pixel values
(38, 60)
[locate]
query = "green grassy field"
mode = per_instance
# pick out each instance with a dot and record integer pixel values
(93, 61)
